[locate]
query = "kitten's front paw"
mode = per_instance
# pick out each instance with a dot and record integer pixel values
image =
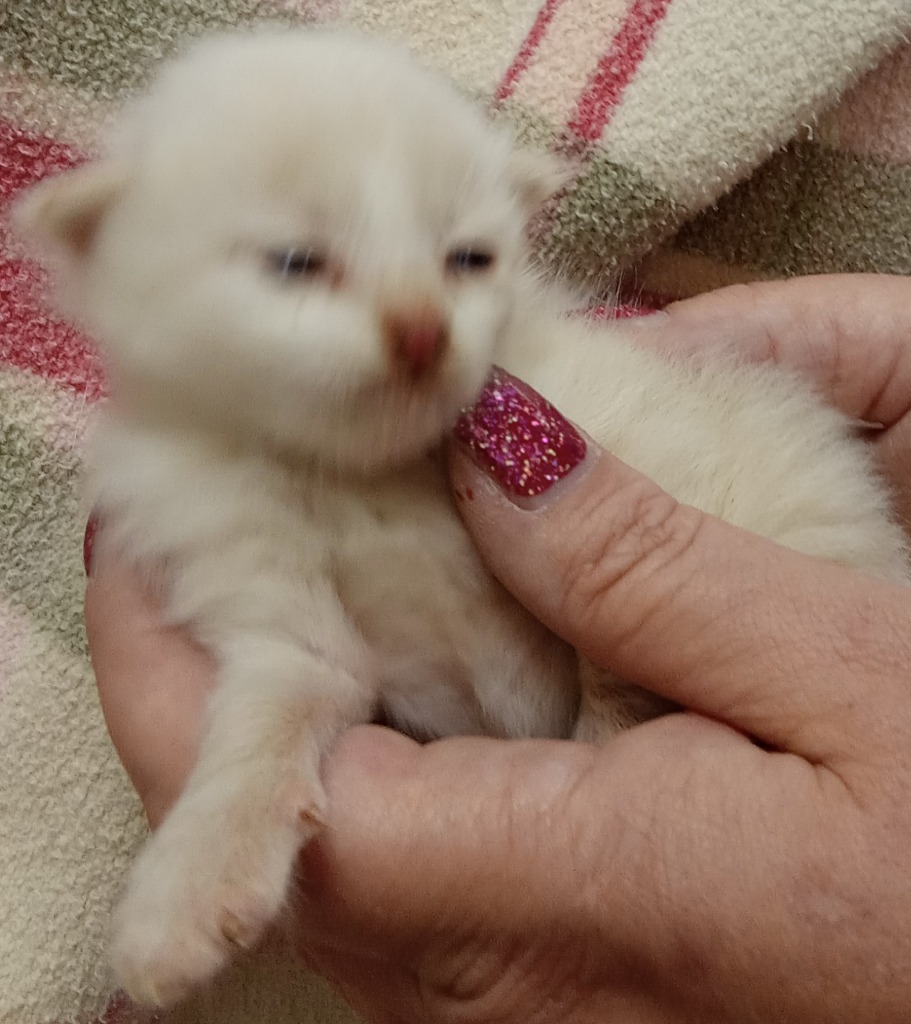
(202, 891)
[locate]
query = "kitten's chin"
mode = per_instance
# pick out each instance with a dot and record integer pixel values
(376, 461)
(385, 431)
(384, 450)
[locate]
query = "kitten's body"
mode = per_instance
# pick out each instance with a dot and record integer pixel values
(276, 444)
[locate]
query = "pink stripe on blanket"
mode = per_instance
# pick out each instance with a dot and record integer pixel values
(34, 340)
(26, 158)
(616, 69)
(527, 50)
(559, 69)
(31, 338)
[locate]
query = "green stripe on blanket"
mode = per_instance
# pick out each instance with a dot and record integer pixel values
(604, 222)
(106, 47)
(40, 532)
(809, 209)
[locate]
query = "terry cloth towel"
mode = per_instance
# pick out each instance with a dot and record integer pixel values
(713, 141)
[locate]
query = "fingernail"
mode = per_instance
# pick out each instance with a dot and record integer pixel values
(519, 438)
(88, 543)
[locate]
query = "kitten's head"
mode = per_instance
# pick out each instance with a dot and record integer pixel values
(303, 237)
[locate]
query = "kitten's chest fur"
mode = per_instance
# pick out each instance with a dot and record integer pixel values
(451, 651)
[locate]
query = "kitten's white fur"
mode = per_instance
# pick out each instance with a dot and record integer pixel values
(265, 451)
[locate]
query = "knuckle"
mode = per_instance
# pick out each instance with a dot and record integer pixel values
(744, 293)
(746, 297)
(633, 547)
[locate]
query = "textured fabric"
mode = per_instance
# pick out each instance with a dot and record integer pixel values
(712, 141)
(836, 197)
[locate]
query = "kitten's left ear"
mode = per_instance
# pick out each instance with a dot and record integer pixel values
(536, 176)
(62, 214)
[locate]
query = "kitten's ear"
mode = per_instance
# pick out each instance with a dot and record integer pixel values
(62, 214)
(536, 176)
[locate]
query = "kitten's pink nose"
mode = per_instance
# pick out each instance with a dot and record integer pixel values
(416, 340)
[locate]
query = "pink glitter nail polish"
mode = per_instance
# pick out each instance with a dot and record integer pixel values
(518, 438)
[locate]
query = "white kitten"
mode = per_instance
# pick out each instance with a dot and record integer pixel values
(302, 255)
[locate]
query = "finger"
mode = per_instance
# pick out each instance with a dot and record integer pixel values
(782, 646)
(396, 883)
(470, 879)
(153, 683)
(396, 802)
(849, 333)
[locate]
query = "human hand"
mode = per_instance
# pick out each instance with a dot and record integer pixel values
(681, 873)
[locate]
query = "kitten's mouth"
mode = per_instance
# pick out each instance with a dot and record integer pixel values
(386, 420)
(428, 406)
(397, 387)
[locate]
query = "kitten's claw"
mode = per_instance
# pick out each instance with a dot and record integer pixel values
(160, 962)
(235, 932)
(312, 817)
(204, 890)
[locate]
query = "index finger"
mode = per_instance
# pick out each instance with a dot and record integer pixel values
(850, 333)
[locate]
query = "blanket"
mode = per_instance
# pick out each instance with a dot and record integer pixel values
(712, 142)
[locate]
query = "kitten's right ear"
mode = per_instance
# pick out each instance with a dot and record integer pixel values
(62, 214)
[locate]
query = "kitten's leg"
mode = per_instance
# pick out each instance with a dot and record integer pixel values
(608, 705)
(216, 873)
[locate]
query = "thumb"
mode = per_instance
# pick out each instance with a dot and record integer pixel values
(719, 620)
(423, 899)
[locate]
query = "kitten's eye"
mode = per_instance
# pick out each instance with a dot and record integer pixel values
(293, 263)
(469, 261)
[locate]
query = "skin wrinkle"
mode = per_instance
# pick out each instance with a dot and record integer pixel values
(797, 647)
(486, 983)
(456, 971)
(816, 326)
(838, 344)
(673, 874)
(473, 990)
(575, 611)
(582, 850)
(872, 413)
(723, 934)
(893, 452)
(755, 618)
(890, 402)
(782, 323)
(856, 642)
(587, 610)
(676, 955)
(772, 884)
(632, 837)
(506, 965)
(635, 576)
(642, 537)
